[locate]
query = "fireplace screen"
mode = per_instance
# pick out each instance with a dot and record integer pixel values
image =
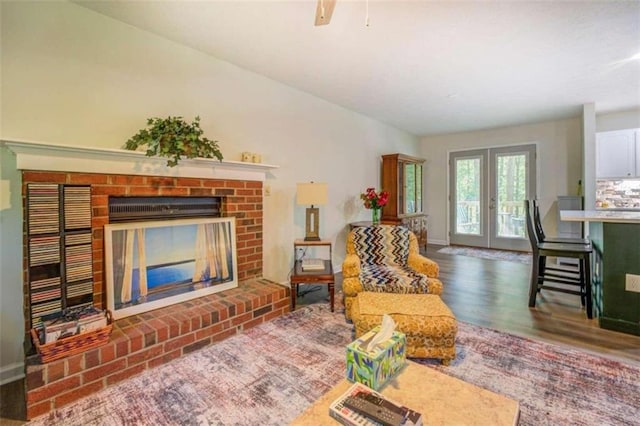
(154, 264)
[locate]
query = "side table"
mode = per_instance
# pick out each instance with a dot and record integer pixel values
(320, 276)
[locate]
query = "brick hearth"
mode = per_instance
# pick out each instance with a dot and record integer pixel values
(150, 339)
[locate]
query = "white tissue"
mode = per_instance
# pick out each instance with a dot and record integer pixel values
(386, 331)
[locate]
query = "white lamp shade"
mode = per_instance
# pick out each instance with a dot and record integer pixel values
(311, 193)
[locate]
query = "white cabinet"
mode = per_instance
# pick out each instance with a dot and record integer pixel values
(618, 154)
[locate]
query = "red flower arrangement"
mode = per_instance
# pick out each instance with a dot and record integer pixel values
(373, 199)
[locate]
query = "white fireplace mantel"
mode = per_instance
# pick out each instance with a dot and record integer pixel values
(66, 158)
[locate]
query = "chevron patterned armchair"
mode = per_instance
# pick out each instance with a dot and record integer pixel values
(386, 259)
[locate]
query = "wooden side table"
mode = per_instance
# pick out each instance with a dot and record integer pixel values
(320, 276)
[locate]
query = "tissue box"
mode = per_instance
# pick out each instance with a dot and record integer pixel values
(375, 368)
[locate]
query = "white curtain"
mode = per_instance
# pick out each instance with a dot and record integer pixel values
(127, 281)
(222, 251)
(200, 269)
(211, 252)
(142, 263)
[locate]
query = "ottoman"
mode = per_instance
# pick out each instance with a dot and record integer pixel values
(429, 324)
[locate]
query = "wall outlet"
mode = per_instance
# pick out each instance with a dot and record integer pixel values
(632, 282)
(267, 190)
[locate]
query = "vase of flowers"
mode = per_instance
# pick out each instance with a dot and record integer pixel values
(375, 215)
(375, 201)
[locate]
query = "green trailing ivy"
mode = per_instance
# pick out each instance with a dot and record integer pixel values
(174, 138)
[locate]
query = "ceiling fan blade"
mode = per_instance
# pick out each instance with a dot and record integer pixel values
(324, 18)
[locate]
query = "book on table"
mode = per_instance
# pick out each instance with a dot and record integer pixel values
(362, 406)
(312, 264)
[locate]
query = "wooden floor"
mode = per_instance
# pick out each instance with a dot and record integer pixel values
(12, 403)
(495, 294)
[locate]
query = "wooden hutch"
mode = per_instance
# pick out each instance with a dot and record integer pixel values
(402, 179)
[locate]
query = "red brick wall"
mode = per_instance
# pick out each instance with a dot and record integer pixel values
(243, 200)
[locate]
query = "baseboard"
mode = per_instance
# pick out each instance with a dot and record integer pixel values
(439, 242)
(11, 373)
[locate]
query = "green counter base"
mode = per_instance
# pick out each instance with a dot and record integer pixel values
(620, 325)
(616, 254)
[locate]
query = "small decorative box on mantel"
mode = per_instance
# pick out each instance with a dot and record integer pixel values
(376, 367)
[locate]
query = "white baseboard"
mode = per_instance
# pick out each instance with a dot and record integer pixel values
(11, 373)
(439, 242)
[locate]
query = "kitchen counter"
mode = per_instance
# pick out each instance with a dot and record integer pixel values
(618, 209)
(609, 216)
(615, 236)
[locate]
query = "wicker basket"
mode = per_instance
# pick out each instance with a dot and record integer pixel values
(72, 345)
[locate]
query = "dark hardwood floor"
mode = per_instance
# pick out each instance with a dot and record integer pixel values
(12, 403)
(495, 294)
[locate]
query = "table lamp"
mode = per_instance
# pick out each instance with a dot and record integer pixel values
(314, 194)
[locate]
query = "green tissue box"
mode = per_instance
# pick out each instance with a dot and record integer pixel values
(375, 368)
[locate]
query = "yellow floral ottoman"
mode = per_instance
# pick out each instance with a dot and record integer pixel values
(429, 324)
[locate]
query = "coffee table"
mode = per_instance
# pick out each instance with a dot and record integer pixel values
(442, 400)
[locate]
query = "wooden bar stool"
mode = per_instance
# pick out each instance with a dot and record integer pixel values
(540, 273)
(541, 235)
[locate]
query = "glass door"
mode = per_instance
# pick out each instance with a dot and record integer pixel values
(487, 193)
(512, 180)
(468, 174)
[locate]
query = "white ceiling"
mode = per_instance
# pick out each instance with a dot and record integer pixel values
(422, 66)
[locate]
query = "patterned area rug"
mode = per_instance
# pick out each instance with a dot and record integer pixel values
(272, 373)
(510, 256)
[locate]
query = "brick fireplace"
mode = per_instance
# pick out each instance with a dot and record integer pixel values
(152, 338)
(242, 199)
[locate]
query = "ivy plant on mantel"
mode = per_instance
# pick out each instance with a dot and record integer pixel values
(67, 158)
(174, 138)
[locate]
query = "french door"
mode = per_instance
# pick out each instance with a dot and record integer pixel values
(487, 192)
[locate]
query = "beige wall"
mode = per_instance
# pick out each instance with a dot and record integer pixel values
(559, 148)
(629, 119)
(71, 76)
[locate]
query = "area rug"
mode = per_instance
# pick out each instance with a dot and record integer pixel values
(510, 256)
(272, 373)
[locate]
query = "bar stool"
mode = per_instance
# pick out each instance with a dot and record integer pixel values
(544, 239)
(541, 235)
(540, 273)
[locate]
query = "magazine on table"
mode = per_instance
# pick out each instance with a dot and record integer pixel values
(312, 264)
(349, 417)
